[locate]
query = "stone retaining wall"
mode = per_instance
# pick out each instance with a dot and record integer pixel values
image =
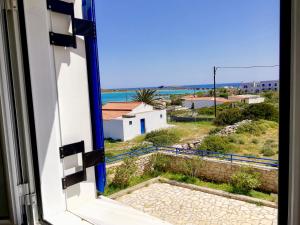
(219, 170)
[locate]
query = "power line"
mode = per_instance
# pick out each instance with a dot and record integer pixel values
(234, 67)
(245, 67)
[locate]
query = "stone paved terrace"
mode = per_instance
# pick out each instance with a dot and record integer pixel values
(183, 206)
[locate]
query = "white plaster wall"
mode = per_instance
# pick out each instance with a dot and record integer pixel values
(113, 129)
(152, 122)
(199, 103)
(142, 108)
(255, 100)
(121, 129)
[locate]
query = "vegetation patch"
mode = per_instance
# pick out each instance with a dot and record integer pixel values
(228, 117)
(265, 111)
(254, 128)
(245, 180)
(217, 144)
(185, 170)
(163, 137)
(124, 172)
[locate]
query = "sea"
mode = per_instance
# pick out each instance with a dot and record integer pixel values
(128, 94)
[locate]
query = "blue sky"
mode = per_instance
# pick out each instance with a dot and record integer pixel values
(177, 42)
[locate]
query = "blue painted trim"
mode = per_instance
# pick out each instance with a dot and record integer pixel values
(88, 7)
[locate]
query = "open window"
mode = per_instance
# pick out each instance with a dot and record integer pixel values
(45, 105)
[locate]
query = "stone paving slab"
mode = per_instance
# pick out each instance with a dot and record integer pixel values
(183, 206)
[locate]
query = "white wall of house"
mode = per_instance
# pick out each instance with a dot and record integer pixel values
(113, 129)
(199, 103)
(129, 128)
(256, 87)
(255, 100)
(250, 100)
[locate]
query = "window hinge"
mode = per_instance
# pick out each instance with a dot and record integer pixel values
(27, 198)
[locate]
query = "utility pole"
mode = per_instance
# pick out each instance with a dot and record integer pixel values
(234, 67)
(215, 94)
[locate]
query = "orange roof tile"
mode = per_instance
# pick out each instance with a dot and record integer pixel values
(121, 105)
(108, 115)
(114, 110)
(218, 99)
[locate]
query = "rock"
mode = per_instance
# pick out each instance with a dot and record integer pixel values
(185, 146)
(191, 145)
(232, 128)
(177, 146)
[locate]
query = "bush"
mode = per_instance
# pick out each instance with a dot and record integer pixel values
(254, 141)
(124, 172)
(271, 96)
(220, 108)
(267, 151)
(176, 101)
(261, 111)
(160, 162)
(232, 139)
(241, 142)
(245, 180)
(163, 137)
(215, 130)
(216, 143)
(255, 128)
(228, 117)
(268, 148)
(191, 167)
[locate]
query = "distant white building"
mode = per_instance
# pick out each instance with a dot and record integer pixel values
(259, 86)
(126, 120)
(250, 99)
(201, 102)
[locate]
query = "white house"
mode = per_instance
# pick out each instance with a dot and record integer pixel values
(126, 120)
(259, 86)
(250, 99)
(201, 102)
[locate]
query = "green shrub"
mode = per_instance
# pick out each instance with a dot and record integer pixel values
(255, 128)
(232, 139)
(267, 151)
(271, 96)
(228, 117)
(220, 108)
(262, 110)
(241, 142)
(254, 141)
(176, 99)
(216, 143)
(245, 180)
(124, 172)
(163, 137)
(139, 146)
(268, 148)
(160, 162)
(191, 167)
(215, 130)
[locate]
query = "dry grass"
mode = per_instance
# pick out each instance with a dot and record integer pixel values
(190, 131)
(245, 143)
(252, 145)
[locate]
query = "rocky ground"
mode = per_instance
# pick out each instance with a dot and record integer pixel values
(231, 129)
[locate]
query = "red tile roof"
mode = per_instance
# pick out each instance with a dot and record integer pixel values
(114, 110)
(218, 99)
